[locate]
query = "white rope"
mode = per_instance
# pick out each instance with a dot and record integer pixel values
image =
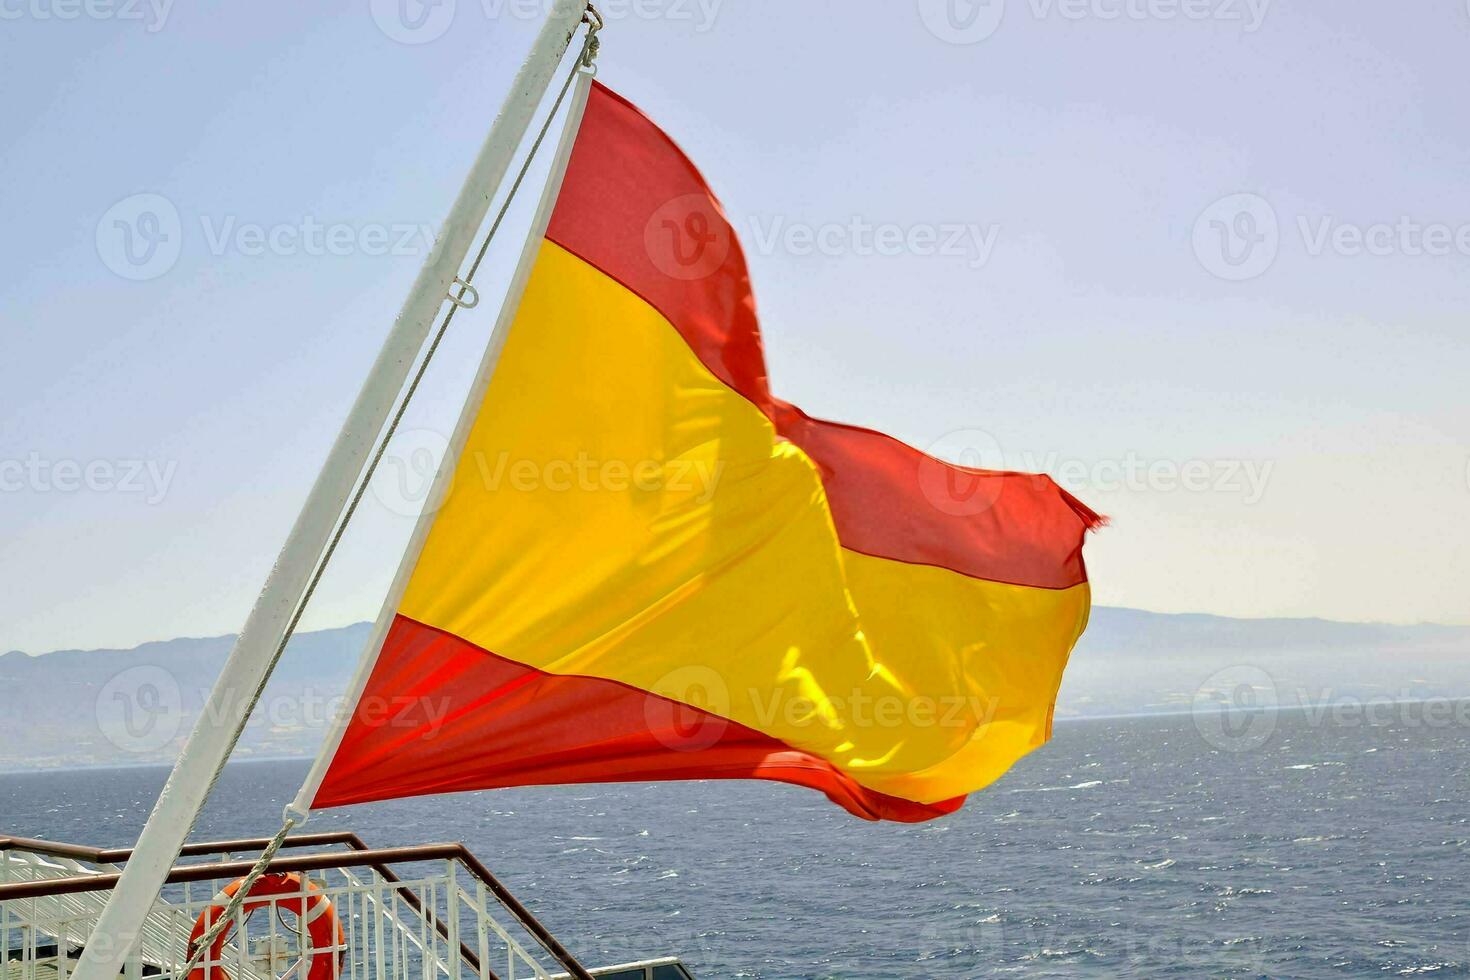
(227, 914)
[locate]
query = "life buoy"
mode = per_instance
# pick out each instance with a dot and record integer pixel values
(290, 892)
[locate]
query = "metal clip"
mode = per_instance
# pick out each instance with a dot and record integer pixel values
(468, 297)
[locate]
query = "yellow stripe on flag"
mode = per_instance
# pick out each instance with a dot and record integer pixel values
(603, 436)
(980, 660)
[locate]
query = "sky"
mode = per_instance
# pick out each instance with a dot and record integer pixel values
(1205, 261)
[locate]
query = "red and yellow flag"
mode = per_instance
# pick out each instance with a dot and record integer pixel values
(651, 568)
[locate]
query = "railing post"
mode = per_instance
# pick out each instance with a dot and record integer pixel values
(62, 947)
(452, 911)
(426, 947)
(303, 935)
(482, 932)
(380, 961)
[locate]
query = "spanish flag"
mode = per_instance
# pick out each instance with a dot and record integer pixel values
(649, 567)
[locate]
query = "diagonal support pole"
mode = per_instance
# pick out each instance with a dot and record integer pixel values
(250, 662)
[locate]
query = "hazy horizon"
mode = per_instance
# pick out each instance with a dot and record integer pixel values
(138, 704)
(330, 627)
(1208, 271)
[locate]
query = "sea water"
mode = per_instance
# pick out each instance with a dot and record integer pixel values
(1319, 846)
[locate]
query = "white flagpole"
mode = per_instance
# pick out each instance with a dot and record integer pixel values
(251, 660)
(444, 478)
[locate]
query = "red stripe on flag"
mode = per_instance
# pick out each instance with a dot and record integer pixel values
(890, 500)
(636, 208)
(474, 720)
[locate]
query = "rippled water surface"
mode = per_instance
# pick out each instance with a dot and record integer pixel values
(1123, 849)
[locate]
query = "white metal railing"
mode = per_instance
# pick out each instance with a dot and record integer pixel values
(440, 919)
(388, 930)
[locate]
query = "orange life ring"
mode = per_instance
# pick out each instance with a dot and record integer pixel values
(299, 896)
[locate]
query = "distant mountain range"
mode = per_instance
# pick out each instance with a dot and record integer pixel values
(110, 707)
(1133, 662)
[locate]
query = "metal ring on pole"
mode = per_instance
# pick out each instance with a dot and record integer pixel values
(465, 290)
